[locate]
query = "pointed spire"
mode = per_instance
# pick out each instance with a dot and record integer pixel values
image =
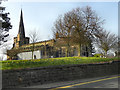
(21, 26)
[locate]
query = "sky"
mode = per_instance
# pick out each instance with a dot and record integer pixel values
(40, 16)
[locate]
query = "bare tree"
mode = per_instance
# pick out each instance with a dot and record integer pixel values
(106, 41)
(79, 34)
(13, 54)
(63, 29)
(117, 50)
(33, 38)
(5, 47)
(86, 25)
(78, 26)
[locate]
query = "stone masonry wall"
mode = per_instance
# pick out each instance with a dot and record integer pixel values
(42, 75)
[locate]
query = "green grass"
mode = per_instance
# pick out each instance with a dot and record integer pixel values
(19, 64)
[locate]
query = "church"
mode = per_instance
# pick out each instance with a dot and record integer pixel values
(22, 48)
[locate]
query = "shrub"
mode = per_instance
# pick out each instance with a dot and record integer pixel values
(97, 55)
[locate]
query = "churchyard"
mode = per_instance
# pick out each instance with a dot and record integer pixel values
(21, 64)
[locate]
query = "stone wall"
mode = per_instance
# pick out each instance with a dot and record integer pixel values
(41, 75)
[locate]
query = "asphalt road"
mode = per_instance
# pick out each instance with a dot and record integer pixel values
(99, 82)
(106, 82)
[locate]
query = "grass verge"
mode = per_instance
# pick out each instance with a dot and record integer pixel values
(20, 64)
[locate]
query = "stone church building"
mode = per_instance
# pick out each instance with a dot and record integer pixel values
(22, 48)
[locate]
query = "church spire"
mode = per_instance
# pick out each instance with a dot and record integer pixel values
(20, 39)
(21, 26)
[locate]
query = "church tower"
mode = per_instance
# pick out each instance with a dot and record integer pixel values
(20, 39)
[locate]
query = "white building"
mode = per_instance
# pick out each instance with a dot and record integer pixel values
(28, 55)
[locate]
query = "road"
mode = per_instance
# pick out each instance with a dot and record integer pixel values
(99, 82)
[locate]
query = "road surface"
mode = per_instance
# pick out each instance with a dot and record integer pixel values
(99, 82)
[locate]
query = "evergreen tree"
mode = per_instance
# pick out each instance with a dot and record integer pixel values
(5, 25)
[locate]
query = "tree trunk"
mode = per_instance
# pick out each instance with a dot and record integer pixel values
(45, 50)
(32, 55)
(105, 53)
(32, 51)
(66, 53)
(79, 50)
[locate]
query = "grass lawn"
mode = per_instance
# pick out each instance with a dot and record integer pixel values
(19, 64)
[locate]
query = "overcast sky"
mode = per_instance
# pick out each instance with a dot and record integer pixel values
(40, 16)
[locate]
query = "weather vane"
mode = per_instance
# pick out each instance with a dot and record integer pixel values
(21, 6)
